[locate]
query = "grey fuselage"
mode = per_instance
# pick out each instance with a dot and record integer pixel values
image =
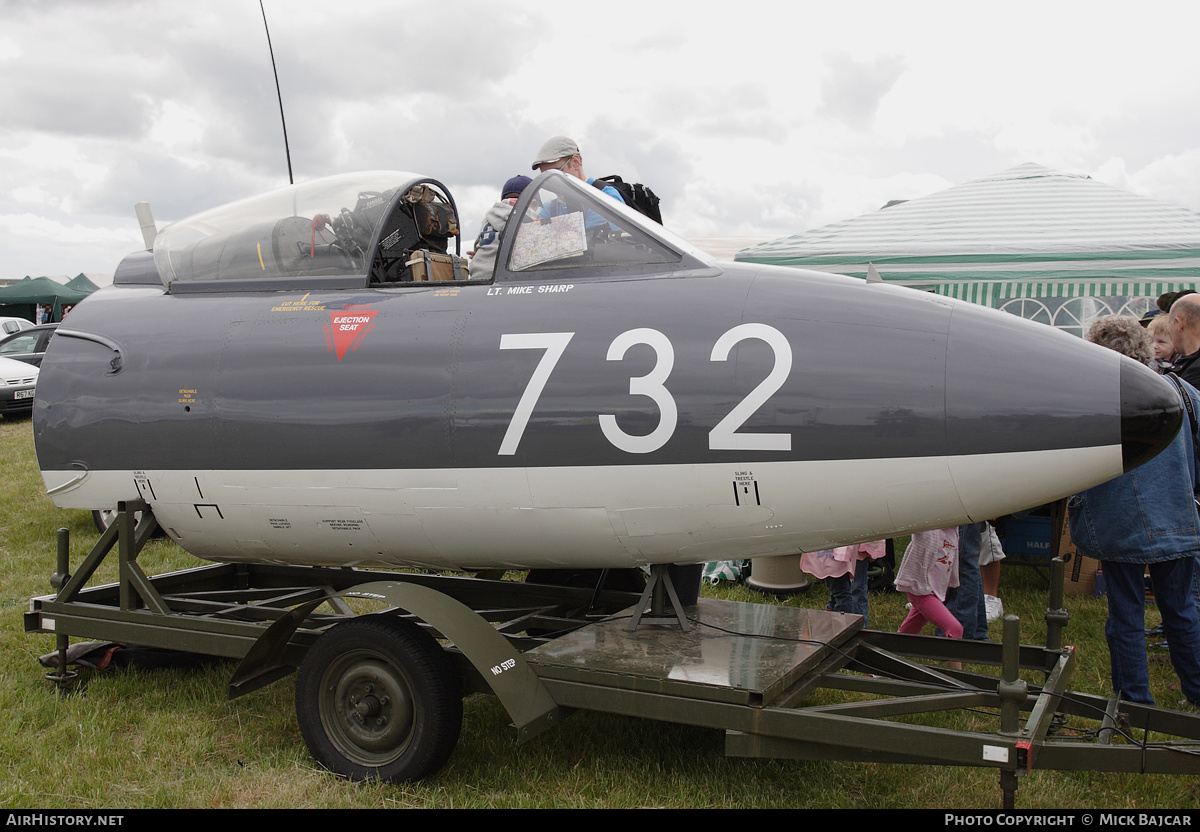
(582, 416)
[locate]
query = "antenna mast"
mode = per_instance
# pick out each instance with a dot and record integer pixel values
(271, 49)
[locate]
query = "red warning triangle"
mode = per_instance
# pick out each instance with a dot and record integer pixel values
(348, 327)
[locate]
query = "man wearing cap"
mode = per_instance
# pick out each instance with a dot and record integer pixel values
(562, 153)
(483, 258)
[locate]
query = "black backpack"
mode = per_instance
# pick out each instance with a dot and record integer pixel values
(637, 196)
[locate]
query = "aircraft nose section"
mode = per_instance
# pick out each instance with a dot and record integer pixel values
(1151, 413)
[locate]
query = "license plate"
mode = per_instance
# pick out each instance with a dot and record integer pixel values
(23, 394)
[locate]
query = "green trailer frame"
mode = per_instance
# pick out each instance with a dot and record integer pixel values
(379, 694)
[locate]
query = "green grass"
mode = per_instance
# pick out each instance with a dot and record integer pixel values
(169, 738)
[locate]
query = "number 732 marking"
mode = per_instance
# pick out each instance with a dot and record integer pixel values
(724, 436)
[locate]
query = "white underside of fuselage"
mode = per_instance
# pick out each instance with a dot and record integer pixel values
(573, 517)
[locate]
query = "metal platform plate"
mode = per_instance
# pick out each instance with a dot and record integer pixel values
(736, 652)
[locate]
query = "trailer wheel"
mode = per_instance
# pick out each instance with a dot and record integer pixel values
(103, 518)
(377, 698)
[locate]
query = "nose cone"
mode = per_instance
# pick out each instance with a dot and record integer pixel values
(1151, 413)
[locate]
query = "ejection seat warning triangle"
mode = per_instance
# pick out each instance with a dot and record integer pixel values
(347, 328)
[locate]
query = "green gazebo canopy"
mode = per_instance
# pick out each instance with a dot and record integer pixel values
(21, 298)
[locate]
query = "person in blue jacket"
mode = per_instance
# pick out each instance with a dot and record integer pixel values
(1146, 518)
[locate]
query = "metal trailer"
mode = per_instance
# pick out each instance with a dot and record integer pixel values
(380, 695)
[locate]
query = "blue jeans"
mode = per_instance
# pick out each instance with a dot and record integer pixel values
(1125, 629)
(967, 601)
(846, 595)
(1196, 586)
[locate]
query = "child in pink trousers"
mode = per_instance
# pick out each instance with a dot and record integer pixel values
(930, 567)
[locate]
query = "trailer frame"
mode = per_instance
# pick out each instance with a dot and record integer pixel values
(751, 670)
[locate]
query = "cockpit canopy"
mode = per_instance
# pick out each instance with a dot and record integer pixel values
(394, 228)
(350, 229)
(562, 223)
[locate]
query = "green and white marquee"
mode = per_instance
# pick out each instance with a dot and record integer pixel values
(1055, 247)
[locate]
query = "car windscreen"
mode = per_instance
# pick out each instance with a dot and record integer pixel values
(19, 344)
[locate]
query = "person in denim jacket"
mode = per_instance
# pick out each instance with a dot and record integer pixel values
(1145, 518)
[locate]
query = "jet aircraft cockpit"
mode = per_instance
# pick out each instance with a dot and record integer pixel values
(389, 228)
(377, 227)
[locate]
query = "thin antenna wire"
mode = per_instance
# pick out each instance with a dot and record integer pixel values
(271, 49)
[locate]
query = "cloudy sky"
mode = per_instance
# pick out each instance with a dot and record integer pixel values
(747, 118)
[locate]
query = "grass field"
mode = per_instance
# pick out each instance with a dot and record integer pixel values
(169, 738)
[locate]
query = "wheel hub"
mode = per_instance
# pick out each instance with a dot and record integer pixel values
(369, 704)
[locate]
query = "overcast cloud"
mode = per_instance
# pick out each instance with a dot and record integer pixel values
(765, 119)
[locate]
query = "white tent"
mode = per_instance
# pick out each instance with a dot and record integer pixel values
(1056, 247)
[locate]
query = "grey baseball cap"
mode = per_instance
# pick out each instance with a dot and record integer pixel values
(555, 148)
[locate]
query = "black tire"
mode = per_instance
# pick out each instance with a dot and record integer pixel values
(378, 699)
(102, 518)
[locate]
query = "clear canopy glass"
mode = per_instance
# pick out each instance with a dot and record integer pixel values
(569, 224)
(321, 227)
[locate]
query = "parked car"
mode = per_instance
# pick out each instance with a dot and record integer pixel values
(10, 325)
(28, 345)
(17, 381)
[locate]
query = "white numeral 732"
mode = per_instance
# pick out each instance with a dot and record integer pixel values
(724, 436)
